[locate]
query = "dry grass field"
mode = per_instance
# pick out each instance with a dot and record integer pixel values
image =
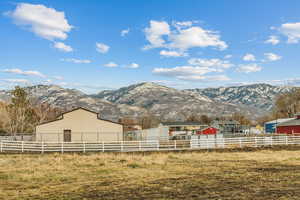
(260, 174)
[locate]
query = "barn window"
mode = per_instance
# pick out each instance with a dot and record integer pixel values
(67, 135)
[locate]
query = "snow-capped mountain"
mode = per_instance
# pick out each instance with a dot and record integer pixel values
(168, 103)
(161, 101)
(260, 96)
(67, 99)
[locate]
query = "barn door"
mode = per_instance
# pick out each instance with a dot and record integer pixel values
(67, 135)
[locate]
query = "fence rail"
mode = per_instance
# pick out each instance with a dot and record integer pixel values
(153, 145)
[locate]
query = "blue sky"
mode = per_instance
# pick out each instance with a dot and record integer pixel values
(183, 44)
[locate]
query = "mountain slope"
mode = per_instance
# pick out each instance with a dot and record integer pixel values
(259, 96)
(164, 102)
(67, 99)
(168, 103)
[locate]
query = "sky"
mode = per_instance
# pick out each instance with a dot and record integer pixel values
(95, 45)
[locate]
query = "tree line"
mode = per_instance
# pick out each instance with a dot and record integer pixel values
(286, 106)
(22, 113)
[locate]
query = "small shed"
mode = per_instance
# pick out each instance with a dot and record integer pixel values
(227, 126)
(184, 128)
(207, 131)
(290, 126)
(270, 126)
(79, 125)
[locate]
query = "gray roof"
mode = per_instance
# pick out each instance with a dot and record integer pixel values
(281, 120)
(293, 122)
(226, 122)
(182, 124)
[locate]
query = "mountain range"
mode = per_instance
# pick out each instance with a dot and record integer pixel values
(166, 103)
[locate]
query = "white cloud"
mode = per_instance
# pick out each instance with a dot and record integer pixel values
(249, 68)
(249, 57)
(196, 37)
(125, 32)
(272, 40)
(182, 71)
(63, 47)
(272, 56)
(183, 37)
(183, 24)
(190, 73)
(77, 61)
(133, 66)
(102, 48)
(172, 53)
(197, 69)
(111, 64)
(45, 22)
(292, 31)
(17, 81)
(228, 56)
(205, 78)
(26, 73)
(212, 63)
(155, 32)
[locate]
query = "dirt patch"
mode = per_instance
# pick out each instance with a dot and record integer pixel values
(268, 173)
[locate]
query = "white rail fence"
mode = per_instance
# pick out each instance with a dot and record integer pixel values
(155, 145)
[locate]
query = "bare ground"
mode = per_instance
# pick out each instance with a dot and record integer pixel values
(271, 173)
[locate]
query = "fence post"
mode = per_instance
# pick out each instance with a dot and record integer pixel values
(22, 146)
(1, 146)
(240, 139)
(271, 141)
(122, 146)
(157, 145)
(102, 146)
(175, 145)
(42, 146)
(140, 146)
(286, 140)
(83, 143)
(62, 147)
(255, 139)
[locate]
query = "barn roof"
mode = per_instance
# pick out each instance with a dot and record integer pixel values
(293, 122)
(281, 120)
(61, 116)
(208, 127)
(223, 122)
(182, 124)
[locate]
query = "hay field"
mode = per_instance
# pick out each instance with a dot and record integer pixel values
(260, 174)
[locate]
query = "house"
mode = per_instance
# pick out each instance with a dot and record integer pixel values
(158, 133)
(227, 126)
(79, 125)
(183, 129)
(270, 126)
(290, 127)
(130, 124)
(207, 131)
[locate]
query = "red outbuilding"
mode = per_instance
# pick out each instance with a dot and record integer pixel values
(208, 131)
(290, 127)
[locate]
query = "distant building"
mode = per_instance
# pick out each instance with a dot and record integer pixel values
(183, 128)
(207, 131)
(159, 133)
(130, 124)
(270, 127)
(227, 126)
(79, 125)
(290, 127)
